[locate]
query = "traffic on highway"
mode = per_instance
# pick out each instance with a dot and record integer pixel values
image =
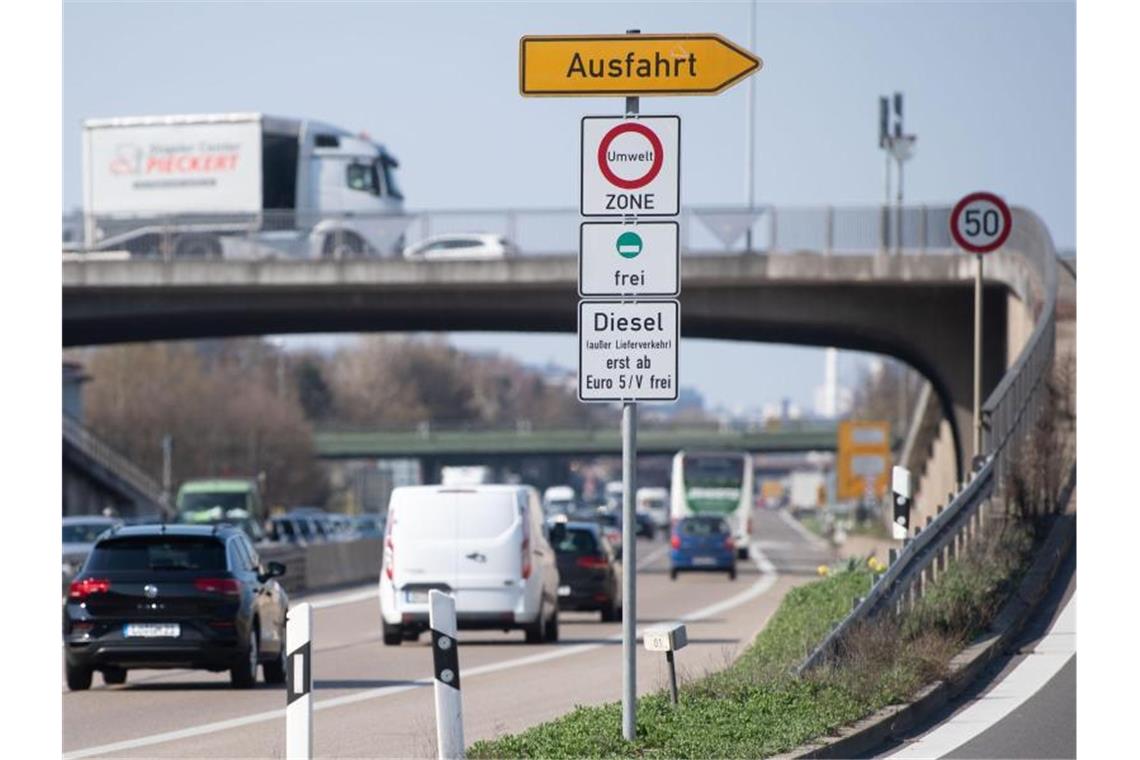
(417, 404)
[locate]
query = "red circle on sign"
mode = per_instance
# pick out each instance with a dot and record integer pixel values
(993, 245)
(649, 176)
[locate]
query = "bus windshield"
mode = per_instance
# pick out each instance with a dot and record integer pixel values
(713, 483)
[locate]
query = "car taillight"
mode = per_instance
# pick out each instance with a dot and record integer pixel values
(224, 586)
(389, 559)
(526, 558)
(591, 562)
(675, 541)
(88, 586)
(728, 543)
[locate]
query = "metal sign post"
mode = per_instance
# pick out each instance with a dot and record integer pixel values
(629, 538)
(978, 355)
(630, 168)
(980, 223)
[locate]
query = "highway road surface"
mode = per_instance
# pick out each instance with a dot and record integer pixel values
(376, 701)
(1024, 706)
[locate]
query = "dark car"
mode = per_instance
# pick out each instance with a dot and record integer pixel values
(610, 523)
(611, 518)
(588, 572)
(702, 543)
(175, 596)
(645, 526)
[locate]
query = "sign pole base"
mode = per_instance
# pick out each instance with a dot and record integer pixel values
(628, 575)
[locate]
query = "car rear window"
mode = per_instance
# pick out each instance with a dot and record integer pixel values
(577, 541)
(704, 526)
(158, 553)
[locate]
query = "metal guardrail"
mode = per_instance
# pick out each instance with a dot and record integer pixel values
(102, 454)
(1009, 414)
(534, 232)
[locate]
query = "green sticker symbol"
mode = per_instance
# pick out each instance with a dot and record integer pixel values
(629, 245)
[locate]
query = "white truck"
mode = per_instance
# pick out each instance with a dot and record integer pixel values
(237, 185)
(465, 475)
(807, 489)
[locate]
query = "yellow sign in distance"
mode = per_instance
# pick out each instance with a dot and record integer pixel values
(631, 64)
(863, 458)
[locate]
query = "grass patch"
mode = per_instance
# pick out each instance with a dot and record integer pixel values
(752, 708)
(756, 707)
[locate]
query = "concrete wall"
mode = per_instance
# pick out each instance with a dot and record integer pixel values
(327, 565)
(939, 479)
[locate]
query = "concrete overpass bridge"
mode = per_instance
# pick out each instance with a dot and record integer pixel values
(473, 446)
(843, 291)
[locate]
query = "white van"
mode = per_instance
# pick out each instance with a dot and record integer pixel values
(559, 500)
(655, 503)
(484, 544)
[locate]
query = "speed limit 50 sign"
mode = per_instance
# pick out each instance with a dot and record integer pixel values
(980, 223)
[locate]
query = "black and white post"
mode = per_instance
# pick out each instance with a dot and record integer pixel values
(902, 489)
(299, 683)
(445, 658)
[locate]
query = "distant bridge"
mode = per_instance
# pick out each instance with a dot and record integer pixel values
(473, 446)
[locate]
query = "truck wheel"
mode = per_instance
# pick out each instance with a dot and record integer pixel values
(198, 247)
(78, 677)
(393, 636)
(342, 245)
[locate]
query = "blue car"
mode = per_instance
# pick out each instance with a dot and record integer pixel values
(702, 543)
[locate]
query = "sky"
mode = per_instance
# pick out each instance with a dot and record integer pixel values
(990, 93)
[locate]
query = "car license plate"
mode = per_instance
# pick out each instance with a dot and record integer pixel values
(416, 597)
(564, 591)
(152, 630)
(704, 561)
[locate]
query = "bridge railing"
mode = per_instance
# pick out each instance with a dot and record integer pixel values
(103, 455)
(1009, 414)
(532, 232)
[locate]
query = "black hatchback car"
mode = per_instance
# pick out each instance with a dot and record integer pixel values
(175, 596)
(588, 571)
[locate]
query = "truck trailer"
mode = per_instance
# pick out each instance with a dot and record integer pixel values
(240, 185)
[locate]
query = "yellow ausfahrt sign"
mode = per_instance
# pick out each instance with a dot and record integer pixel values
(863, 458)
(631, 64)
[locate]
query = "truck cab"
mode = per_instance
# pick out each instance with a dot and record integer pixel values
(215, 501)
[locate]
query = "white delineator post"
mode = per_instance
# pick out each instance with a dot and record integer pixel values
(299, 683)
(445, 658)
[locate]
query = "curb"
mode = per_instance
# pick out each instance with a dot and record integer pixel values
(867, 734)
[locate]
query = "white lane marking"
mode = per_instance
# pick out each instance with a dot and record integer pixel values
(768, 577)
(806, 534)
(1029, 677)
(650, 558)
(371, 592)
